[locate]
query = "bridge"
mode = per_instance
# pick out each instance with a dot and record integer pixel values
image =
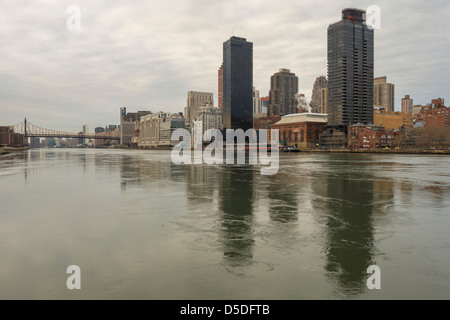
(31, 130)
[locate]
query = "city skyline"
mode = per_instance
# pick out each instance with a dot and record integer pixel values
(63, 79)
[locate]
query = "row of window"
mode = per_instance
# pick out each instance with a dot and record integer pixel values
(289, 137)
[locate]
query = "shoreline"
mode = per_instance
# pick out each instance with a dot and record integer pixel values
(9, 150)
(372, 151)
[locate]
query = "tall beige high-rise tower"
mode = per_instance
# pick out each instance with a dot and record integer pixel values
(196, 100)
(283, 91)
(319, 84)
(383, 94)
(407, 105)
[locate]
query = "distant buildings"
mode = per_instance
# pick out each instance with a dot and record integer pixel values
(384, 94)
(283, 91)
(156, 129)
(220, 89)
(350, 70)
(436, 115)
(323, 101)
(129, 123)
(265, 101)
(211, 118)
(265, 122)
(317, 99)
(301, 130)
(8, 138)
(407, 105)
(370, 137)
(237, 84)
(196, 100)
(257, 105)
(393, 120)
(85, 132)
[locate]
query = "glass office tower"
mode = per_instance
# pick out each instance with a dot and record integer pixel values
(237, 84)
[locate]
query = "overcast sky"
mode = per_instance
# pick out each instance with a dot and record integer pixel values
(146, 55)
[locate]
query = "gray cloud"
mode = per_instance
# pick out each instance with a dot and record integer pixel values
(148, 54)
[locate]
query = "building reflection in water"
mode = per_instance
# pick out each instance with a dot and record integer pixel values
(236, 207)
(282, 193)
(201, 184)
(348, 217)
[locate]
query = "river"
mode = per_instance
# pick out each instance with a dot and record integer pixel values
(141, 227)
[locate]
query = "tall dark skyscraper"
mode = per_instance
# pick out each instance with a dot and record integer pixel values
(350, 70)
(237, 84)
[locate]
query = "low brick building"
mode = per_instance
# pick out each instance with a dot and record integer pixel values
(369, 137)
(437, 117)
(301, 130)
(10, 139)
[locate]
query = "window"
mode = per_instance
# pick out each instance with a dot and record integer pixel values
(296, 136)
(302, 136)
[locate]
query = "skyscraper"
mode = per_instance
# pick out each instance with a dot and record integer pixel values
(350, 70)
(283, 91)
(407, 105)
(319, 84)
(220, 89)
(237, 84)
(196, 100)
(257, 105)
(383, 94)
(323, 101)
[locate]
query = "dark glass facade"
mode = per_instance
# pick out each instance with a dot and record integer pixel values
(350, 70)
(237, 84)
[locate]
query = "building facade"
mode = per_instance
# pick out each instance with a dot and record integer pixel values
(220, 88)
(196, 100)
(350, 70)
(211, 118)
(316, 98)
(283, 93)
(8, 138)
(257, 105)
(128, 123)
(393, 120)
(156, 129)
(369, 137)
(237, 84)
(384, 94)
(323, 101)
(407, 105)
(265, 102)
(437, 117)
(301, 130)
